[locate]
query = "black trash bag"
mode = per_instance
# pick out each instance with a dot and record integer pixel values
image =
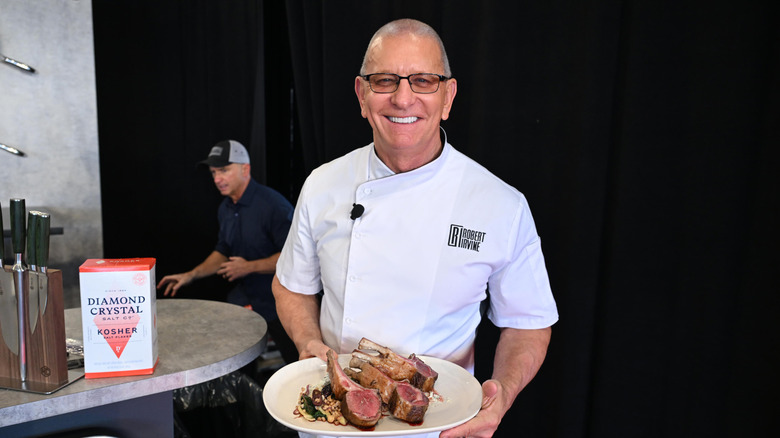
(237, 400)
(179, 429)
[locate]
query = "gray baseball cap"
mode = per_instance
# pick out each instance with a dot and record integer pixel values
(226, 152)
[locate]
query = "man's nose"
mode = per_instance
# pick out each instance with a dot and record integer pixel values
(404, 95)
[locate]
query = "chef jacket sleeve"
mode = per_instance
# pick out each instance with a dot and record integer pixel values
(520, 293)
(298, 268)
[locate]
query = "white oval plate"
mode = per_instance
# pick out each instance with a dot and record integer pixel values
(461, 400)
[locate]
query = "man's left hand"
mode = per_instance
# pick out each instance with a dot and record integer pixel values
(485, 423)
(235, 268)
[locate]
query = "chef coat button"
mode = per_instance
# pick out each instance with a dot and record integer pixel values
(352, 278)
(357, 235)
(367, 190)
(347, 321)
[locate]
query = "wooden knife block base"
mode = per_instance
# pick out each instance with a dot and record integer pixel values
(47, 361)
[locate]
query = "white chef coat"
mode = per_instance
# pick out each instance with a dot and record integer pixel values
(410, 273)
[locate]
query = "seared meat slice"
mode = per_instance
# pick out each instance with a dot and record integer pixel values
(398, 367)
(408, 403)
(425, 377)
(404, 401)
(360, 406)
(371, 377)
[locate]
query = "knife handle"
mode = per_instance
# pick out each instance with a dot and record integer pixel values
(2, 242)
(42, 241)
(17, 225)
(32, 222)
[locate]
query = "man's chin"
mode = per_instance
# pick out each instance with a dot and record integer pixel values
(401, 142)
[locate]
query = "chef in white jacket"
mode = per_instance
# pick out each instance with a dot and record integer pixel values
(406, 237)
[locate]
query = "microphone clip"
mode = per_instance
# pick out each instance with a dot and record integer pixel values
(357, 211)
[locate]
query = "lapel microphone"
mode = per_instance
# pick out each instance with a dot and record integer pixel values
(357, 211)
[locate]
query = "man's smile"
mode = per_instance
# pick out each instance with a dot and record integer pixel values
(402, 119)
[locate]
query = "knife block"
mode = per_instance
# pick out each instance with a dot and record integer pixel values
(47, 361)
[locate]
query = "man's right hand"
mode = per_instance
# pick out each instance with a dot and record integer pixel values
(173, 282)
(314, 348)
(300, 316)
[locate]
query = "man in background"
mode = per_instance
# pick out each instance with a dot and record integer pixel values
(253, 224)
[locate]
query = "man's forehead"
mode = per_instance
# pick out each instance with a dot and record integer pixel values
(405, 48)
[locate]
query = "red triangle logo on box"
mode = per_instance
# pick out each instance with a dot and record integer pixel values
(116, 322)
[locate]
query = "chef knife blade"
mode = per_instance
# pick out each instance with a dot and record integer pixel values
(42, 254)
(9, 322)
(17, 241)
(32, 278)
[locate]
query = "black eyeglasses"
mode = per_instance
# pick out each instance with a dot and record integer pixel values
(423, 83)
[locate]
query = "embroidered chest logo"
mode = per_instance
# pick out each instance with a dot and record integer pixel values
(461, 237)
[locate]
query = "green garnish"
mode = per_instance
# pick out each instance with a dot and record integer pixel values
(308, 406)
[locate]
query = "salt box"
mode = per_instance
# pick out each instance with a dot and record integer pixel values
(118, 316)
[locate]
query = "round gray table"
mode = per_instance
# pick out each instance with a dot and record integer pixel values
(197, 341)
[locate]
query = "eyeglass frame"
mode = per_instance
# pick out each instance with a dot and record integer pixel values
(442, 78)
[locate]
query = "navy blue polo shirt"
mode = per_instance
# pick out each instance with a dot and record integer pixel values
(254, 228)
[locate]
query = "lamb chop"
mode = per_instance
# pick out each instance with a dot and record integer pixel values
(371, 377)
(408, 403)
(404, 401)
(398, 367)
(360, 406)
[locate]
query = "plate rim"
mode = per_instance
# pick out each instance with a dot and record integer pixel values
(311, 364)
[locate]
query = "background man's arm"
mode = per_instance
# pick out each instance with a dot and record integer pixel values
(238, 267)
(204, 269)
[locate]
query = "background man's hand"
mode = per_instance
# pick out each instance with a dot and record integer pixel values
(235, 268)
(173, 282)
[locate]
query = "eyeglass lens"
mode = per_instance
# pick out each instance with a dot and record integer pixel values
(388, 83)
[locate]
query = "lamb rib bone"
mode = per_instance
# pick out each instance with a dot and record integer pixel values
(371, 377)
(361, 406)
(413, 369)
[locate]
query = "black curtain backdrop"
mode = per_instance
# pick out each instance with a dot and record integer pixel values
(173, 79)
(644, 134)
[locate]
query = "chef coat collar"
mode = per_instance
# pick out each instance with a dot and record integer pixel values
(378, 169)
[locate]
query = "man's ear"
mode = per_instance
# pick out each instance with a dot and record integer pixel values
(360, 91)
(451, 89)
